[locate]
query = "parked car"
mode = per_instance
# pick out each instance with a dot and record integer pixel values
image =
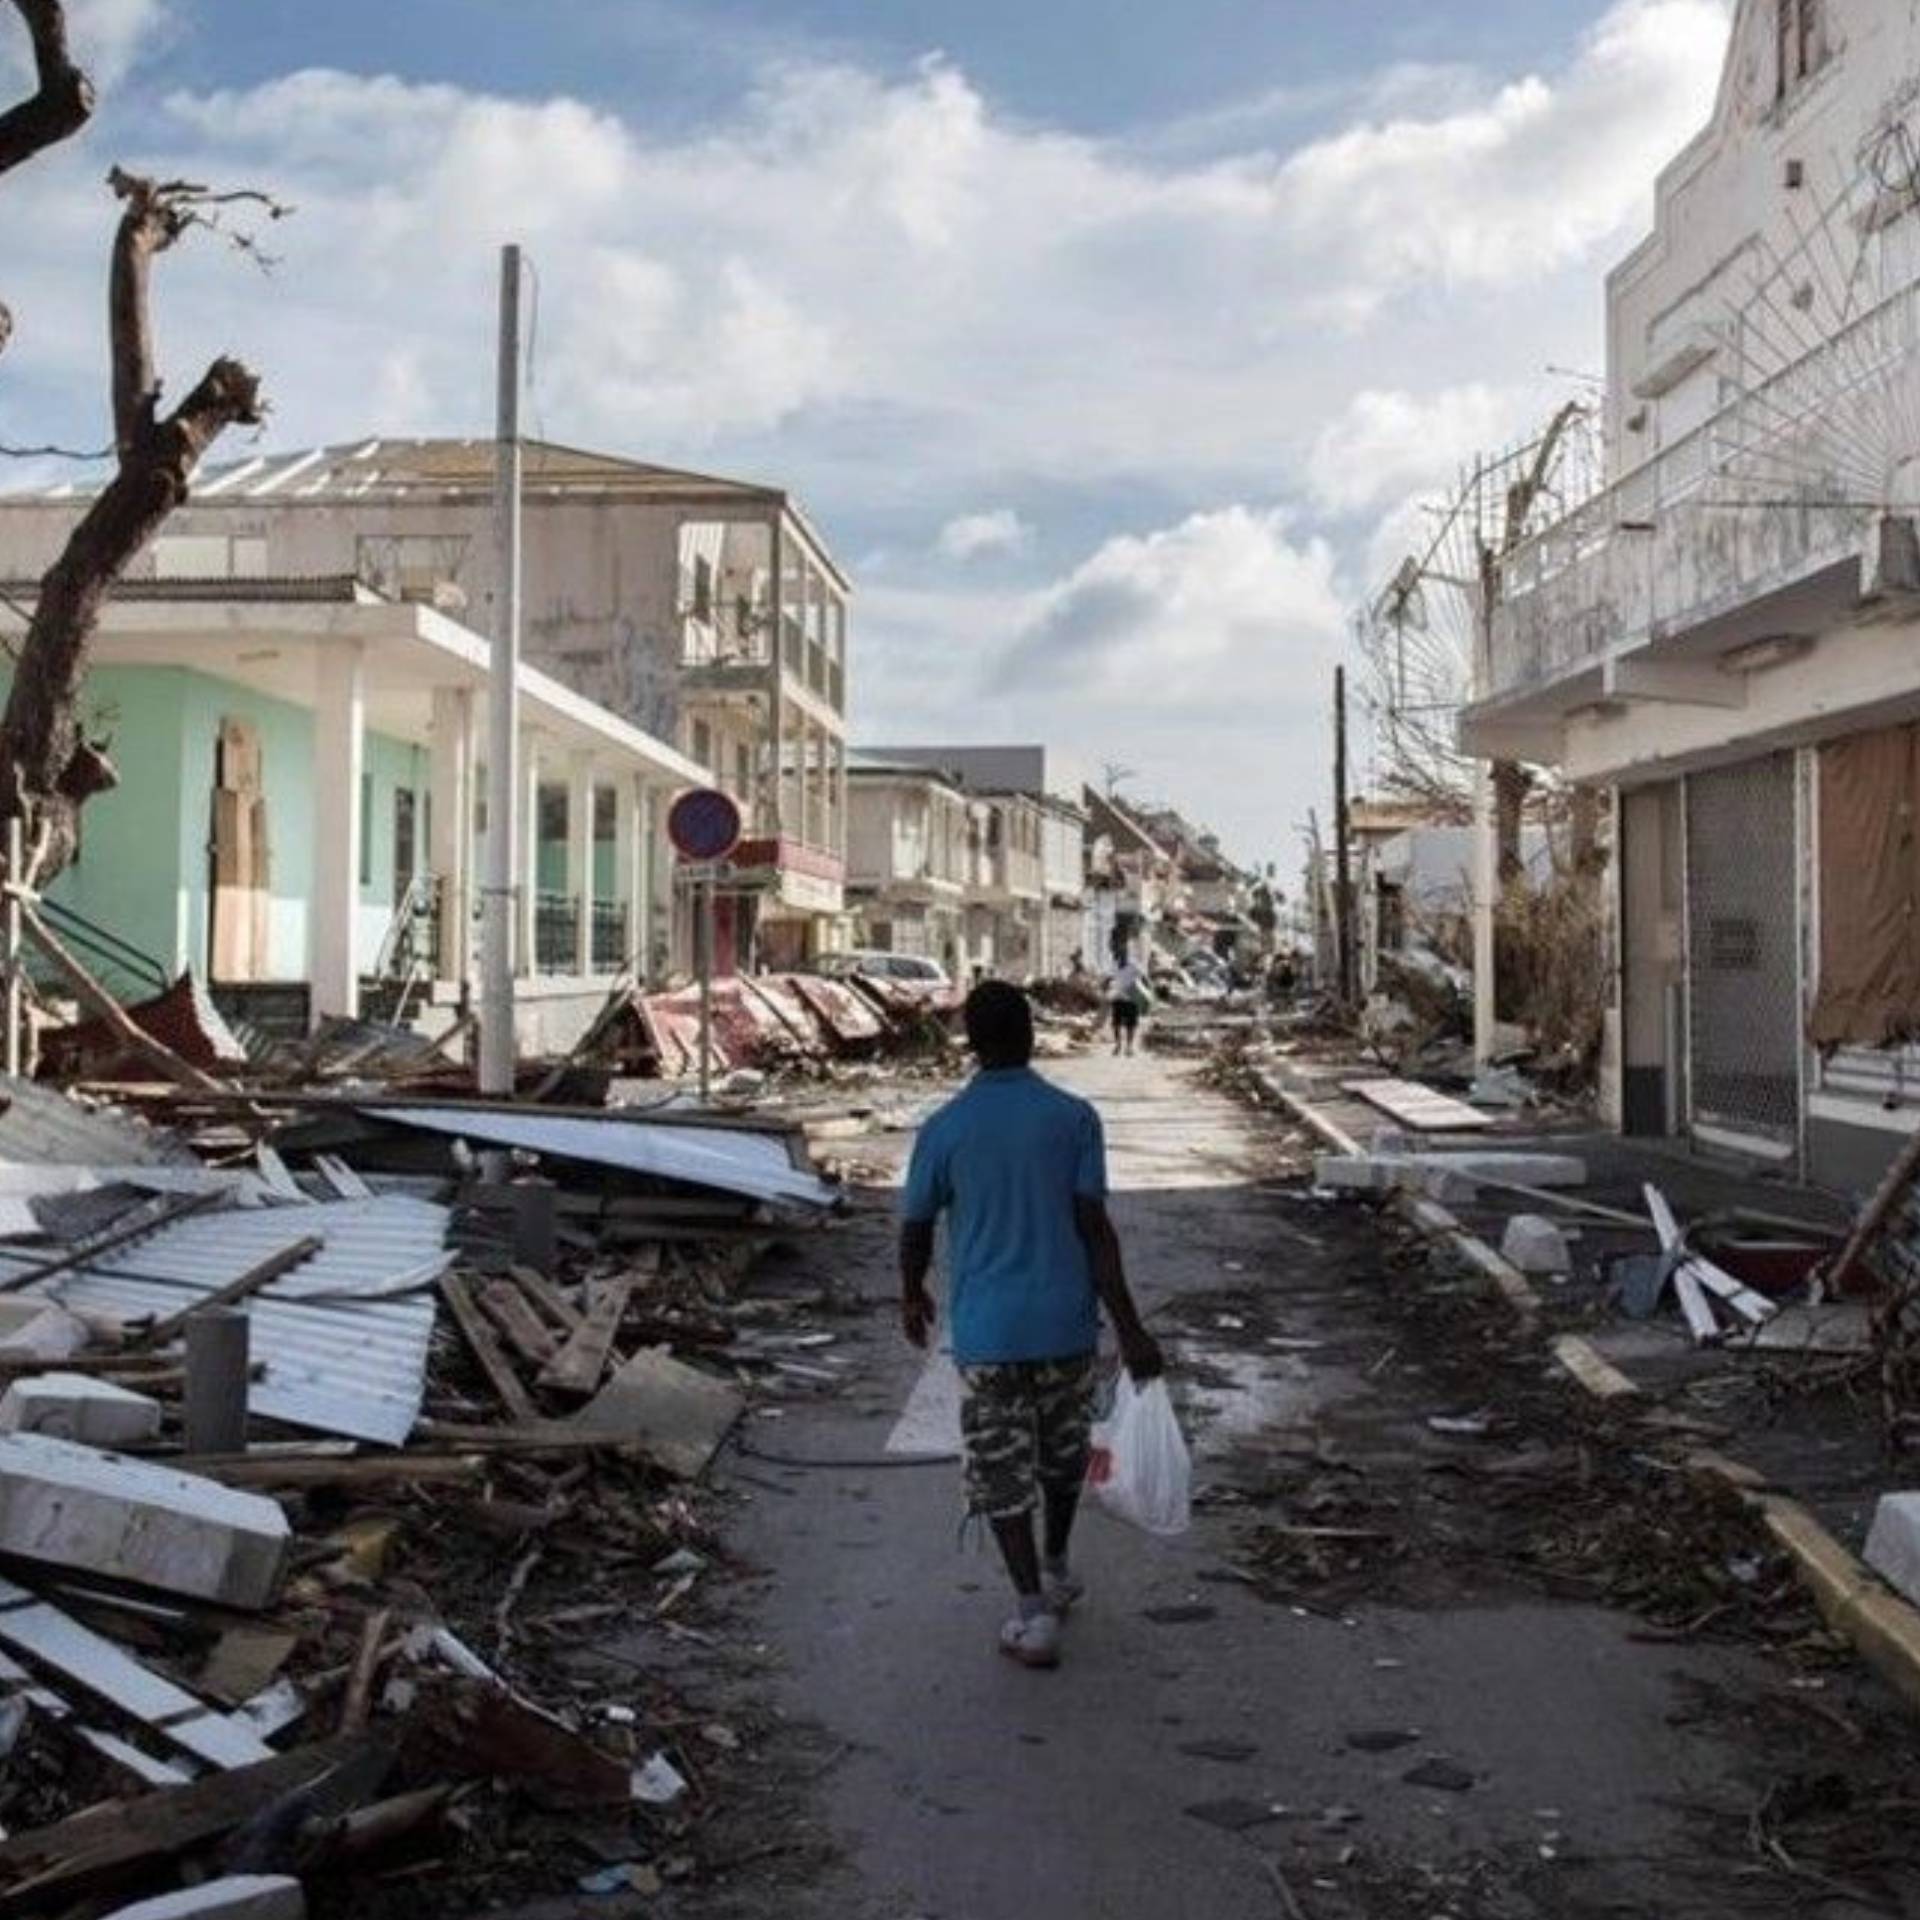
(911, 969)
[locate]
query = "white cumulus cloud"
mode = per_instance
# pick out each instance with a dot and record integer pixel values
(997, 530)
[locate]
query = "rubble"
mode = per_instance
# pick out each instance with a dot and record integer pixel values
(1893, 1543)
(76, 1406)
(375, 1593)
(67, 1505)
(1537, 1247)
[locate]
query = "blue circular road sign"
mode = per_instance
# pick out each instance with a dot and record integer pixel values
(704, 824)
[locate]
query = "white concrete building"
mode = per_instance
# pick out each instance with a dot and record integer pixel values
(910, 839)
(705, 612)
(1027, 918)
(1728, 634)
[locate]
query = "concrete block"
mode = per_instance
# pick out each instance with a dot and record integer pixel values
(72, 1406)
(1536, 1245)
(66, 1505)
(241, 1896)
(1344, 1173)
(39, 1327)
(1893, 1544)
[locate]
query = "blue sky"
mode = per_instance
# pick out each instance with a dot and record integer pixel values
(1114, 349)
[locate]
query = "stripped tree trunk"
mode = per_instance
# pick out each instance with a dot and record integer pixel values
(48, 769)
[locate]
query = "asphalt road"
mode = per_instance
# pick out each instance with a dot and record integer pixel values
(1588, 1767)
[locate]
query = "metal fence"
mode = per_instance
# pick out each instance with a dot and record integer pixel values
(609, 949)
(556, 933)
(1742, 949)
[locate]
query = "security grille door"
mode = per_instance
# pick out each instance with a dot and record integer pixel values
(1741, 963)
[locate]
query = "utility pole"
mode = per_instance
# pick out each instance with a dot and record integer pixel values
(497, 1049)
(1342, 866)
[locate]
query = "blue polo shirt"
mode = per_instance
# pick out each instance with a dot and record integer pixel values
(1004, 1162)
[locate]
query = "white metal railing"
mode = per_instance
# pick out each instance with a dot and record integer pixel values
(1788, 426)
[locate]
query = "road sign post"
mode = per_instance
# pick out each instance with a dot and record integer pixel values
(704, 826)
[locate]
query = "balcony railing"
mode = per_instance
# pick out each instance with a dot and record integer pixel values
(609, 947)
(1762, 495)
(556, 933)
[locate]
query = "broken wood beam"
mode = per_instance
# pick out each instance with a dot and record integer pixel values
(548, 1298)
(509, 1309)
(582, 1361)
(480, 1339)
(262, 1274)
(358, 1702)
(101, 1847)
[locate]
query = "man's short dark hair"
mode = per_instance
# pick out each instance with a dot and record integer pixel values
(1000, 1024)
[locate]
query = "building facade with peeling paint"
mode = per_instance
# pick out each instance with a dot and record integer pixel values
(704, 611)
(1727, 634)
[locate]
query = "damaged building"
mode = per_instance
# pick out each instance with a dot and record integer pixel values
(703, 612)
(1725, 634)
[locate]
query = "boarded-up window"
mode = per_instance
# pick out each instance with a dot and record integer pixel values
(1869, 890)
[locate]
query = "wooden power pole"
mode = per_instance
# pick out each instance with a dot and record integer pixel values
(1342, 867)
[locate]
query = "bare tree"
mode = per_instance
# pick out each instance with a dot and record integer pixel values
(48, 768)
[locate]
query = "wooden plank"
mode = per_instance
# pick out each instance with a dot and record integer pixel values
(548, 1298)
(56, 1640)
(262, 1274)
(358, 1704)
(366, 1470)
(579, 1365)
(1424, 1109)
(50, 1866)
(480, 1340)
(509, 1310)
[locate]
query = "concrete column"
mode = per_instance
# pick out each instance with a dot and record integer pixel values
(450, 853)
(803, 748)
(776, 769)
(580, 857)
(630, 864)
(333, 912)
(527, 880)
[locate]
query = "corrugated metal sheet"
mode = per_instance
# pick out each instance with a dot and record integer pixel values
(343, 1339)
(756, 1165)
(39, 1127)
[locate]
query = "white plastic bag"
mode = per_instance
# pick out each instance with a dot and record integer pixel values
(1140, 1471)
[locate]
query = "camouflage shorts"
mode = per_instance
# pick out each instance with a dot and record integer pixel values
(1024, 1424)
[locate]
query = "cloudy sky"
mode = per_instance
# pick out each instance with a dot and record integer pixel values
(1108, 345)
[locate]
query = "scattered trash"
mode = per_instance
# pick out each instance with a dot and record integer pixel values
(658, 1783)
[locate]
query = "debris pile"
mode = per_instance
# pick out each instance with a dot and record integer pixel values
(347, 1480)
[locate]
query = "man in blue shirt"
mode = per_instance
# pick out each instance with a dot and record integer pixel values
(1018, 1167)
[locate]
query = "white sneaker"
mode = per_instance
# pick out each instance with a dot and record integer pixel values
(1064, 1591)
(1034, 1642)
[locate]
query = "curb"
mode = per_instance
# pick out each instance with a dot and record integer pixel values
(1309, 1116)
(1881, 1627)
(1574, 1351)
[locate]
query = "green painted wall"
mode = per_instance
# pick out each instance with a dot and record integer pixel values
(145, 860)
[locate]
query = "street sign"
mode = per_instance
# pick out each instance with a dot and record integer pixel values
(704, 824)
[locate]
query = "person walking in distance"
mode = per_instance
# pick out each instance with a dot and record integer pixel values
(1017, 1166)
(1125, 994)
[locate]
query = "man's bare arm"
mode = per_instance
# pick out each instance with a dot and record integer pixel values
(1139, 1350)
(916, 1262)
